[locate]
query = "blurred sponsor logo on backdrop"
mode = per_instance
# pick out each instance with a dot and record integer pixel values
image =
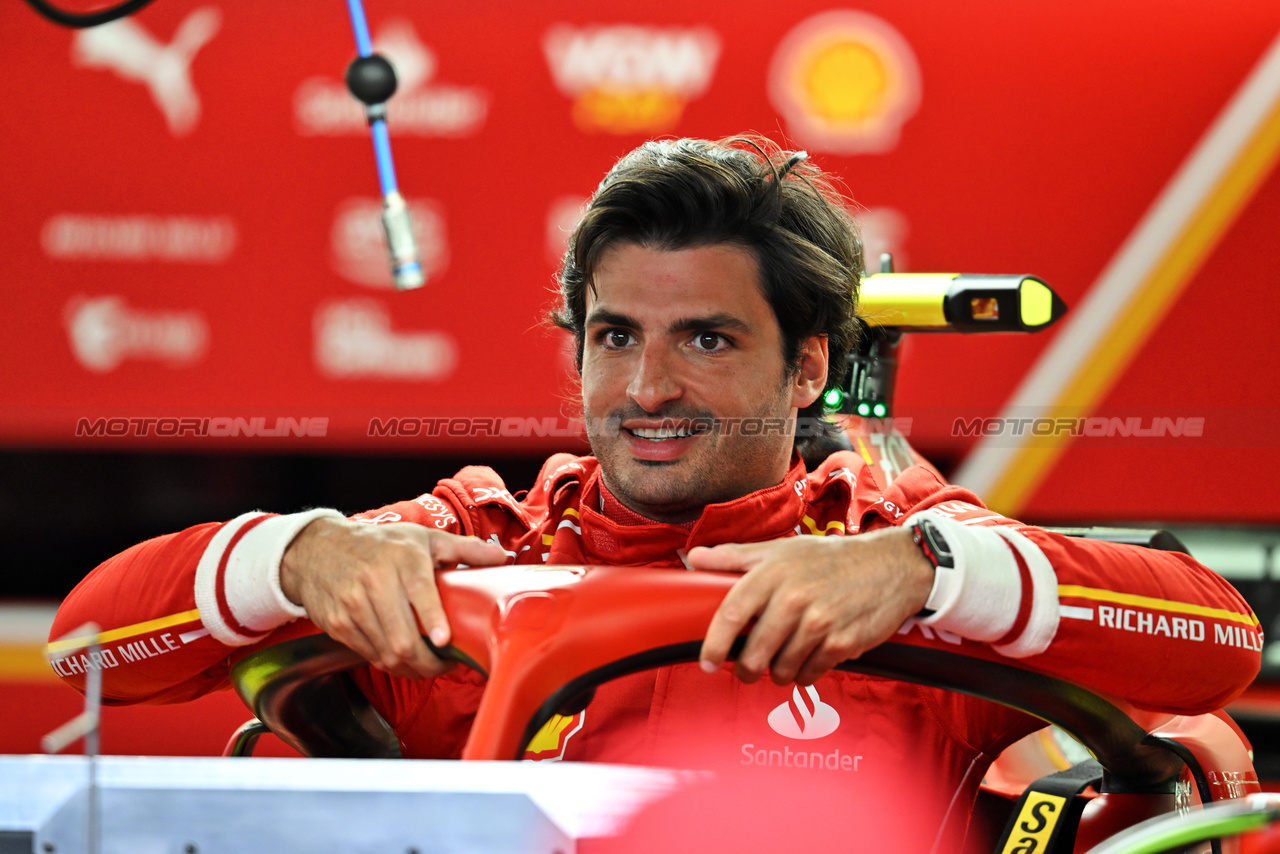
(845, 82)
(138, 237)
(421, 106)
(358, 243)
(104, 331)
(127, 48)
(354, 339)
(629, 79)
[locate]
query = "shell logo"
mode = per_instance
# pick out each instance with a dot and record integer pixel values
(629, 79)
(551, 741)
(845, 82)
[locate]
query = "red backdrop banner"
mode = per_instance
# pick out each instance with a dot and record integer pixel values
(192, 256)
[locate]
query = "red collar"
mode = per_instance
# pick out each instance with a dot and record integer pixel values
(631, 539)
(615, 511)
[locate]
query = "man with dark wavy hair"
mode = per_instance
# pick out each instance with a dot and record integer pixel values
(711, 290)
(711, 287)
(745, 192)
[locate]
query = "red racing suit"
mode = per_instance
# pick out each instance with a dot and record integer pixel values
(1154, 628)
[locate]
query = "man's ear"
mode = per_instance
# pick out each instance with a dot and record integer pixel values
(811, 375)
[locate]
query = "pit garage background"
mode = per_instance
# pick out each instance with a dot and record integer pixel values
(199, 318)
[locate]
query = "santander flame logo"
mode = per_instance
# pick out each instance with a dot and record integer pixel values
(804, 716)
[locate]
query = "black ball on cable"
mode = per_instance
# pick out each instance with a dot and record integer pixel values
(371, 79)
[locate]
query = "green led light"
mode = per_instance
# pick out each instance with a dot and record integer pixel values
(879, 410)
(864, 409)
(834, 398)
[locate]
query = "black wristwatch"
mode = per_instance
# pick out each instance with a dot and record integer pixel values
(934, 547)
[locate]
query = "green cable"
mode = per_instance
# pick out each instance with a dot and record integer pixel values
(1189, 829)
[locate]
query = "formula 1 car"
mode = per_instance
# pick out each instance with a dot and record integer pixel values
(546, 636)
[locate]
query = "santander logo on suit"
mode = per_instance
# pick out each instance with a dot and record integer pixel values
(804, 716)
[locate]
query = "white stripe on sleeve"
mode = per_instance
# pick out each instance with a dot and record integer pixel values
(1042, 625)
(252, 577)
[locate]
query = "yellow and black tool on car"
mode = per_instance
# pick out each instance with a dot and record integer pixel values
(890, 304)
(958, 302)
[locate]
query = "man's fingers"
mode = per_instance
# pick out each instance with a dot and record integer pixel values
(781, 639)
(420, 586)
(824, 657)
(727, 558)
(340, 624)
(373, 587)
(405, 651)
(424, 598)
(739, 606)
(798, 648)
(451, 549)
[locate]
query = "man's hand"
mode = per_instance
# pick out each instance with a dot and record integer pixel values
(816, 601)
(373, 587)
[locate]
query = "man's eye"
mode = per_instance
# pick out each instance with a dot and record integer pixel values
(617, 338)
(710, 341)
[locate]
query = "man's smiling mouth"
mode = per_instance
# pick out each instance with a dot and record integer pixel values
(661, 434)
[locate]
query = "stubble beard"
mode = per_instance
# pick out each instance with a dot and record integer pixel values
(721, 466)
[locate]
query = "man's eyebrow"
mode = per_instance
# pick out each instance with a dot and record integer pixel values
(604, 317)
(710, 321)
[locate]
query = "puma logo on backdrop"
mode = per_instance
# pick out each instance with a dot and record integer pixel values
(128, 49)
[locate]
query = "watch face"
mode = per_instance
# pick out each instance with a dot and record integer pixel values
(934, 546)
(939, 541)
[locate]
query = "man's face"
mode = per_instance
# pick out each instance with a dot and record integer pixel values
(683, 382)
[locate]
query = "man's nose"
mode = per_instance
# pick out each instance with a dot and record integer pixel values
(656, 379)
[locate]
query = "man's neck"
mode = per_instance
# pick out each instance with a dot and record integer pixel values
(615, 511)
